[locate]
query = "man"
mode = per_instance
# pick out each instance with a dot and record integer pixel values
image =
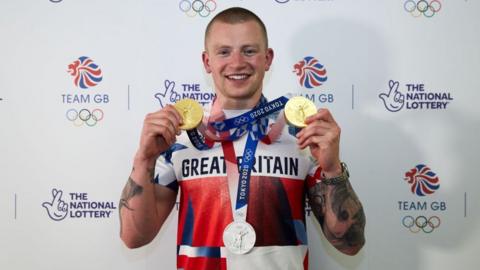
(215, 229)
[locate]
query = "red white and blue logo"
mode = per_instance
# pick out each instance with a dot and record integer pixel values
(85, 72)
(85, 108)
(423, 180)
(422, 215)
(310, 72)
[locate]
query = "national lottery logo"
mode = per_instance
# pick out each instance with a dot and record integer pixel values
(422, 180)
(85, 72)
(414, 96)
(421, 223)
(76, 205)
(418, 8)
(310, 72)
(171, 94)
(201, 7)
(84, 116)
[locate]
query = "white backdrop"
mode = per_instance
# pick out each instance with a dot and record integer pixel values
(140, 48)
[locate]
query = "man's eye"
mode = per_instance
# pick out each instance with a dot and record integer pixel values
(223, 52)
(250, 52)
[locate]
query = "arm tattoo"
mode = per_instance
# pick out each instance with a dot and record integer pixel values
(130, 190)
(340, 213)
(316, 199)
(151, 173)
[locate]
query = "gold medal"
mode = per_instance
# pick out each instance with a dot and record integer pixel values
(191, 112)
(298, 109)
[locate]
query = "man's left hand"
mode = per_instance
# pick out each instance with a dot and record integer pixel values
(322, 135)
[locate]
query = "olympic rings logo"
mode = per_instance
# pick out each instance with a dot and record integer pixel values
(248, 155)
(417, 8)
(84, 116)
(200, 7)
(421, 223)
(240, 120)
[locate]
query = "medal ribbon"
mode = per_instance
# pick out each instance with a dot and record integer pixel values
(254, 123)
(241, 173)
(203, 140)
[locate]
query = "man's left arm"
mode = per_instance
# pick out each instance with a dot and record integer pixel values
(332, 200)
(340, 214)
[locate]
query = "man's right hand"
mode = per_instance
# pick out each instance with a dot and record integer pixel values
(158, 133)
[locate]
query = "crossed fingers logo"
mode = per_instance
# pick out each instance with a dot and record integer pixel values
(168, 95)
(393, 99)
(57, 209)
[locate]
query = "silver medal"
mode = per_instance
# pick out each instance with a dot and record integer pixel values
(239, 237)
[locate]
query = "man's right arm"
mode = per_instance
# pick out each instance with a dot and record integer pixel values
(144, 206)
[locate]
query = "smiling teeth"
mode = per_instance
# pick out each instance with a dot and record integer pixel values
(237, 77)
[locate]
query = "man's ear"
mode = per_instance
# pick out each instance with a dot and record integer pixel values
(206, 62)
(269, 56)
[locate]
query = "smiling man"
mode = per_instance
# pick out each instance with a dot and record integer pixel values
(237, 56)
(243, 187)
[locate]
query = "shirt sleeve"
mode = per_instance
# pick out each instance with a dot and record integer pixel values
(165, 173)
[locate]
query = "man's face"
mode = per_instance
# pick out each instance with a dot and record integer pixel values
(237, 57)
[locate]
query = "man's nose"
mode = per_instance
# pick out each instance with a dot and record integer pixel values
(237, 60)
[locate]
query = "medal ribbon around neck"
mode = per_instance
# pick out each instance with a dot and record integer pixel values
(254, 122)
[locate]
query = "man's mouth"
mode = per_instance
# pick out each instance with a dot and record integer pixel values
(237, 77)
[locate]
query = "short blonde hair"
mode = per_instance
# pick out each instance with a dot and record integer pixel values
(236, 15)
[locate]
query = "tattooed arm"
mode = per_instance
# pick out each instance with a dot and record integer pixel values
(336, 206)
(144, 206)
(340, 214)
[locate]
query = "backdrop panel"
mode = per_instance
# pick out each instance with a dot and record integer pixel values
(401, 80)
